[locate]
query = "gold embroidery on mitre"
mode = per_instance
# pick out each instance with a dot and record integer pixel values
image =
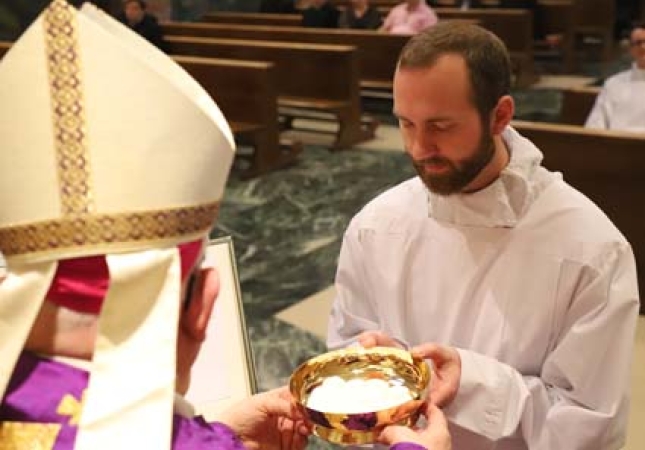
(68, 111)
(32, 436)
(71, 407)
(103, 230)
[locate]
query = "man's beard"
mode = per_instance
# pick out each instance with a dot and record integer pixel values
(457, 175)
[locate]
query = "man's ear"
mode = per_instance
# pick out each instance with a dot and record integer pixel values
(196, 316)
(502, 114)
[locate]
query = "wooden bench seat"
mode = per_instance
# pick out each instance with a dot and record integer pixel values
(377, 52)
(308, 76)
(245, 127)
(245, 92)
(608, 167)
(318, 104)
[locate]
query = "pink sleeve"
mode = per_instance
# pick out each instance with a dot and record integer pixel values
(430, 18)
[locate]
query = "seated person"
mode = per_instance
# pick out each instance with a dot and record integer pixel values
(361, 15)
(278, 7)
(409, 17)
(134, 16)
(621, 102)
(320, 14)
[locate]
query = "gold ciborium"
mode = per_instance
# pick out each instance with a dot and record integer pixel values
(392, 365)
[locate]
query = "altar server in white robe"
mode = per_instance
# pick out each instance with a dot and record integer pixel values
(621, 102)
(517, 286)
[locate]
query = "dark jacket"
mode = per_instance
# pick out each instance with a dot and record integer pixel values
(278, 6)
(149, 29)
(324, 17)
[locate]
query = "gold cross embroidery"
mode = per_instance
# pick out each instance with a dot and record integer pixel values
(71, 407)
(33, 436)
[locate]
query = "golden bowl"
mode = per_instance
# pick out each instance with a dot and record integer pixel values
(392, 365)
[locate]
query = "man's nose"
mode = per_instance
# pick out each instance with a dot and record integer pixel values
(423, 146)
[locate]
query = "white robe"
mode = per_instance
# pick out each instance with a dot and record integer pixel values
(621, 103)
(527, 278)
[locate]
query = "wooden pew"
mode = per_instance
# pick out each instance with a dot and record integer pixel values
(577, 104)
(377, 52)
(608, 167)
(596, 18)
(246, 18)
(4, 48)
(246, 93)
(557, 17)
(321, 78)
(513, 26)
(551, 17)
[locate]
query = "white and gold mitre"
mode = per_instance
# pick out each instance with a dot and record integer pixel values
(106, 147)
(102, 147)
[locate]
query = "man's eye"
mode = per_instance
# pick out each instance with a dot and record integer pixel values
(441, 126)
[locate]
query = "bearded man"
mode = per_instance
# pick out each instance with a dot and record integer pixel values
(517, 287)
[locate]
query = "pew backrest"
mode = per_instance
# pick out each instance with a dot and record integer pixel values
(248, 18)
(577, 104)
(513, 26)
(303, 70)
(245, 91)
(377, 52)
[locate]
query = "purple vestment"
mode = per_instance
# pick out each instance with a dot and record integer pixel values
(39, 386)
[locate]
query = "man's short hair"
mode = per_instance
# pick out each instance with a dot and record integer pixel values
(485, 55)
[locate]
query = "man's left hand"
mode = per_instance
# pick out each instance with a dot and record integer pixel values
(446, 374)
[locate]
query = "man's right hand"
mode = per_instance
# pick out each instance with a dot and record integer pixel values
(434, 436)
(268, 421)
